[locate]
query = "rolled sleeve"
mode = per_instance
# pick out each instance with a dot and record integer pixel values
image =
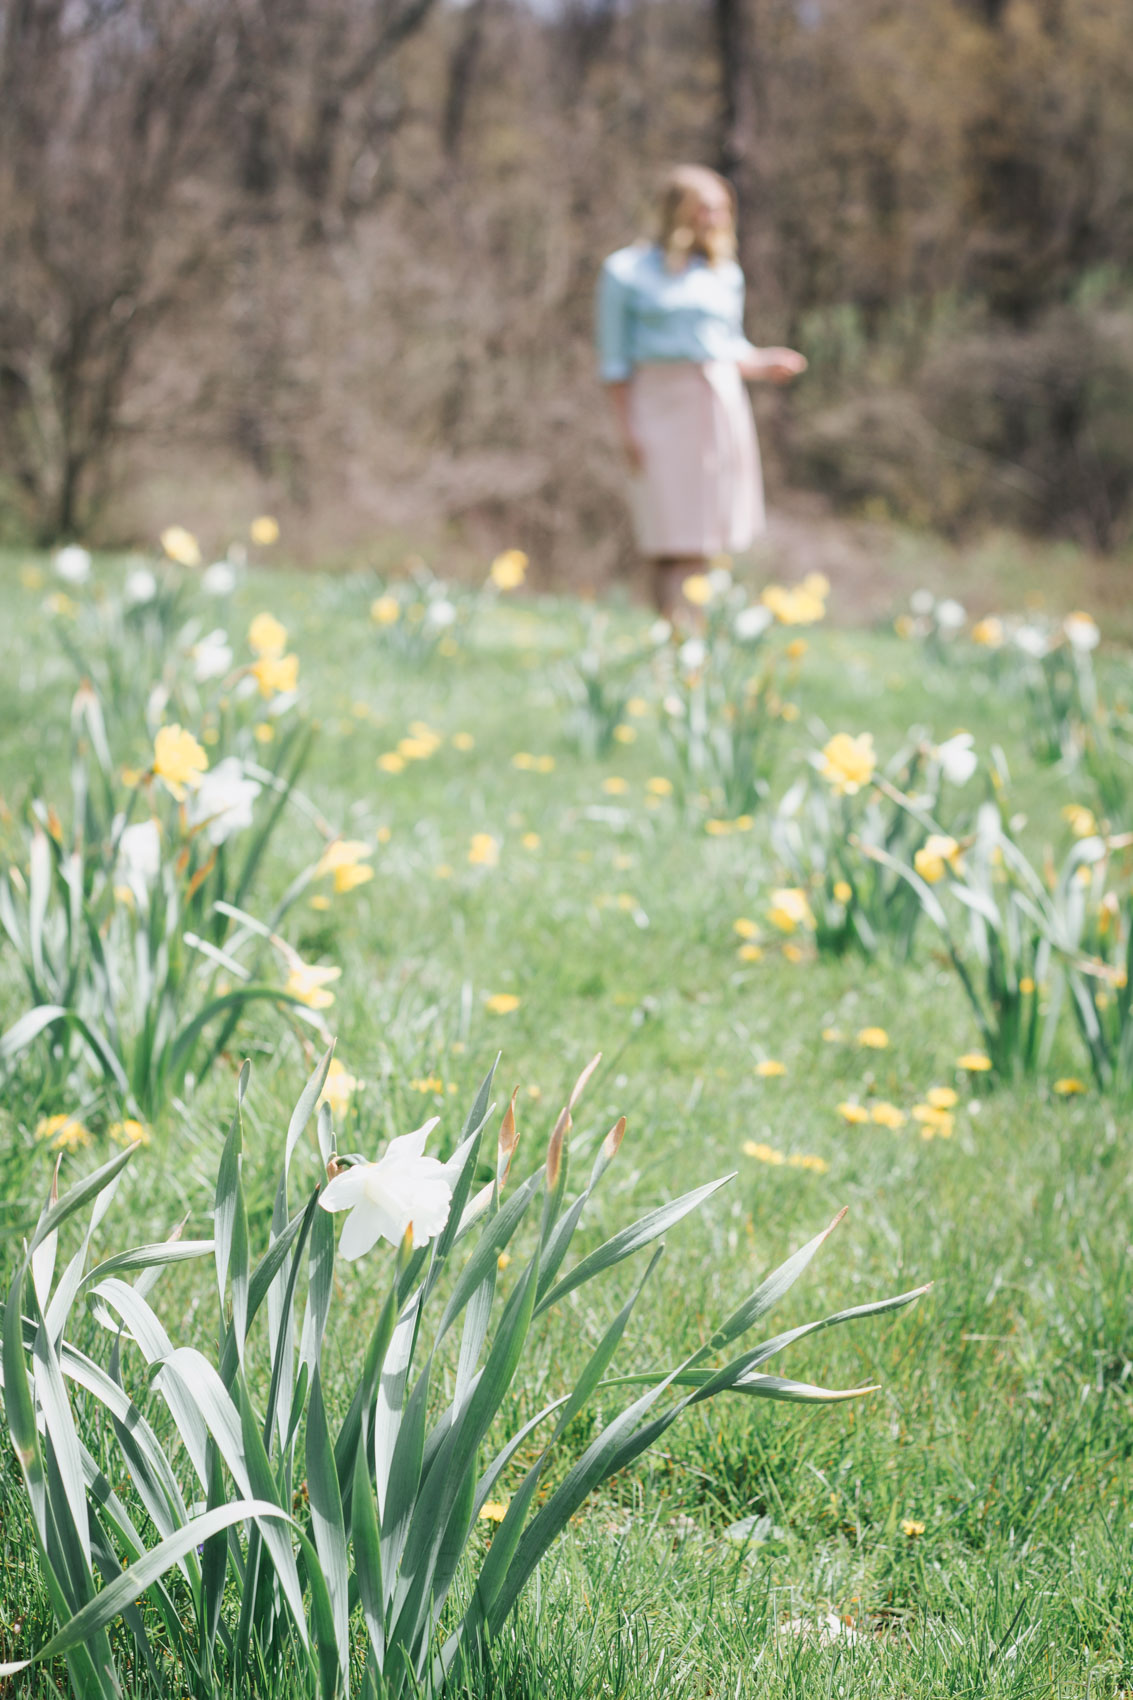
(612, 327)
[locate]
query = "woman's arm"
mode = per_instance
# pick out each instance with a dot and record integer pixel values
(772, 365)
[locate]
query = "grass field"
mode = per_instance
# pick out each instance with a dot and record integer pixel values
(965, 1530)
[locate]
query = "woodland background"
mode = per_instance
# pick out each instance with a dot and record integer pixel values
(336, 259)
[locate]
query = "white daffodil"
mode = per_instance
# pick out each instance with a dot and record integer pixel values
(222, 802)
(212, 656)
(957, 758)
(751, 623)
(140, 586)
(139, 853)
(659, 632)
(219, 579)
(1081, 632)
(922, 601)
(440, 613)
(950, 614)
(720, 581)
(692, 654)
(403, 1187)
(1033, 641)
(73, 564)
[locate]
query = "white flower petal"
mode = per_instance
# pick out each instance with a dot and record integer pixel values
(411, 1144)
(362, 1230)
(347, 1189)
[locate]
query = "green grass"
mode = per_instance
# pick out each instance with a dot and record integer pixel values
(1003, 1421)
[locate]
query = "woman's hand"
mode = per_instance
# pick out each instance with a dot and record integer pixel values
(774, 365)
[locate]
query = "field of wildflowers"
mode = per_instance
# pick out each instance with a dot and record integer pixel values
(848, 916)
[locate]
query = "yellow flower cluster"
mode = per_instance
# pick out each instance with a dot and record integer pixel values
(937, 854)
(484, 850)
(798, 604)
(181, 546)
(308, 982)
(421, 742)
(501, 1003)
(508, 571)
(527, 763)
(339, 1088)
(63, 1133)
(345, 860)
(768, 1154)
(178, 760)
(848, 763)
(790, 909)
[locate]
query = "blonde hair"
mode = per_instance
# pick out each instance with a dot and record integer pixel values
(682, 191)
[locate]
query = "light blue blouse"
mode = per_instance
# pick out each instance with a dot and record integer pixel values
(644, 312)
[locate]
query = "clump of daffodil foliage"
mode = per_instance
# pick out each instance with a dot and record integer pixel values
(211, 1507)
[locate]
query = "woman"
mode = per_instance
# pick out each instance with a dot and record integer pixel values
(674, 358)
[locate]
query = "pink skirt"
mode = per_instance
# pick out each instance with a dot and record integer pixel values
(701, 490)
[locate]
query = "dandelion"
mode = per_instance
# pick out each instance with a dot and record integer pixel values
(976, 1062)
(403, 1191)
(508, 571)
(718, 828)
(911, 1528)
(853, 1113)
(264, 732)
(503, 1260)
(178, 760)
(873, 1038)
(833, 1035)
(843, 891)
(937, 854)
(346, 860)
(523, 760)
(789, 909)
(934, 1121)
(941, 1098)
(625, 734)
(501, 1003)
(531, 841)
(63, 1133)
(750, 953)
(615, 785)
(264, 530)
(796, 649)
(276, 675)
(1068, 1087)
(493, 1510)
(544, 764)
(769, 1068)
(816, 1165)
(763, 1153)
(442, 871)
(745, 928)
(848, 763)
(637, 708)
(181, 546)
(887, 1115)
(391, 762)
(129, 1132)
(385, 611)
(307, 981)
(989, 633)
(484, 850)
(266, 636)
(799, 605)
(792, 952)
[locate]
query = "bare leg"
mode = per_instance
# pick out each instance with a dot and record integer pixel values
(669, 574)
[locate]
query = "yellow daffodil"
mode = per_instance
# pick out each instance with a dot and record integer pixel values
(308, 981)
(63, 1133)
(745, 928)
(181, 546)
(385, 611)
(484, 850)
(501, 1003)
(974, 1061)
(769, 1068)
(848, 762)
(129, 1132)
(346, 860)
(264, 530)
(887, 1115)
(508, 571)
(989, 633)
(797, 605)
(697, 589)
(873, 1038)
(855, 1114)
(941, 1098)
(266, 636)
(178, 760)
(843, 891)
(911, 1528)
(789, 909)
(276, 674)
(1080, 820)
(936, 856)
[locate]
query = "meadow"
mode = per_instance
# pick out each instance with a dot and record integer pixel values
(561, 864)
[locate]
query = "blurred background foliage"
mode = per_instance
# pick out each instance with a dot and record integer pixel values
(337, 257)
